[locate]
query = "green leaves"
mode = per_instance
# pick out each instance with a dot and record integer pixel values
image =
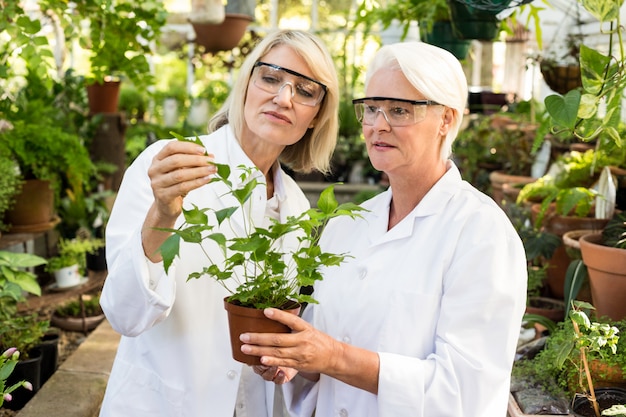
(261, 267)
(564, 109)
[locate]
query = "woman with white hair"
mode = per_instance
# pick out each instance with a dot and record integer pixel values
(174, 357)
(423, 318)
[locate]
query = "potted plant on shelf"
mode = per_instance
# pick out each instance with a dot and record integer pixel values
(17, 330)
(79, 315)
(49, 160)
(10, 184)
(257, 271)
(8, 360)
(604, 255)
(563, 200)
(69, 266)
(433, 17)
(119, 40)
(577, 354)
(579, 112)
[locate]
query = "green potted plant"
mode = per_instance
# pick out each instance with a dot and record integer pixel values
(563, 200)
(19, 330)
(69, 265)
(50, 160)
(433, 17)
(604, 255)
(8, 360)
(10, 184)
(556, 373)
(78, 315)
(255, 271)
(119, 40)
(578, 112)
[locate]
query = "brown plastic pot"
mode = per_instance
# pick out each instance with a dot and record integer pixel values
(252, 320)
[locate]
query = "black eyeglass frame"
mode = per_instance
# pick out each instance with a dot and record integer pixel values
(288, 71)
(418, 102)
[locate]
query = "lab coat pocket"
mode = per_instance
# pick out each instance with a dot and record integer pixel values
(410, 323)
(139, 392)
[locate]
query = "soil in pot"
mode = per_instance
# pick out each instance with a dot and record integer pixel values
(246, 319)
(547, 307)
(607, 397)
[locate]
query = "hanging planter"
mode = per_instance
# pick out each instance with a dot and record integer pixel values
(444, 37)
(561, 78)
(472, 23)
(226, 35)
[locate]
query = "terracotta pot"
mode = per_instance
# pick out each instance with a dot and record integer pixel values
(607, 376)
(34, 208)
(222, 37)
(103, 98)
(607, 276)
(559, 225)
(499, 178)
(246, 319)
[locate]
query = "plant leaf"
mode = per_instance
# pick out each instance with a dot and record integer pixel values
(564, 109)
(169, 250)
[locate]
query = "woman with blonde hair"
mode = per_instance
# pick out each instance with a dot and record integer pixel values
(174, 355)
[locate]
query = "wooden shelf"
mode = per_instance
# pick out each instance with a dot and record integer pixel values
(49, 297)
(12, 239)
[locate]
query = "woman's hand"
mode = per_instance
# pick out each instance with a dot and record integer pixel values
(177, 169)
(311, 352)
(278, 375)
(305, 349)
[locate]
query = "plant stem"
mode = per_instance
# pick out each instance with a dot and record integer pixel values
(583, 357)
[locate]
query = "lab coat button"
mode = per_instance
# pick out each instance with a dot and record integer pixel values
(231, 374)
(363, 274)
(343, 412)
(346, 339)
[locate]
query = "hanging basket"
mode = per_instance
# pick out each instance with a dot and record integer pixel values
(561, 78)
(222, 37)
(471, 23)
(443, 36)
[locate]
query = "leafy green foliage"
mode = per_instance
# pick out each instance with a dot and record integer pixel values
(603, 80)
(256, 271)
(74, 308)
(614, 233)
(73, 252)
(568, 186)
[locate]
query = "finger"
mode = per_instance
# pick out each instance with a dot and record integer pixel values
(291, 320)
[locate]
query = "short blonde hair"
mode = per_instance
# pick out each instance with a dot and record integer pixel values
(434, 72)
(314, 150)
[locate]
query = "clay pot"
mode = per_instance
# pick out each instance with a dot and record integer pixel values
(499, 178)
(246, 319)
(34, 208)
(559, 225)
(607, 276)
(76, 324)
(103, 98)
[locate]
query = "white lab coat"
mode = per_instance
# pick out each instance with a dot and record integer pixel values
(440, 297)
(174, 357)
